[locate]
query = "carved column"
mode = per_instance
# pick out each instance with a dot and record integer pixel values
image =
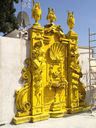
(76, 89)
(38, 73)
(73, 70)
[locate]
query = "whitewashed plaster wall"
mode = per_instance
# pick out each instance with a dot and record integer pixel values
(84, 64)
(13, 52)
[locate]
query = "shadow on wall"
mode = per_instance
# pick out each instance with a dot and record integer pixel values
(27, 48)
(88, 97)
(14, 104)
(91, 97)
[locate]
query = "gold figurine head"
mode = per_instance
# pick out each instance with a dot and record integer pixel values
(51, 15)
(70, 20)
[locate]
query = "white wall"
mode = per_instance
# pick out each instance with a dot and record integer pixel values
(13, 52)
(84, 64)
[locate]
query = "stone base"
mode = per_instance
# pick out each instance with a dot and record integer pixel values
(79, 109)
(57, 114)
(20, 120)
(52, 114)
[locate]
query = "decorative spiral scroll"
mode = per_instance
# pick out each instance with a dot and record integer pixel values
(23, 98)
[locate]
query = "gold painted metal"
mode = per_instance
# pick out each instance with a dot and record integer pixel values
(36, 12)
(51, 15)
(70, 20)
(52, 77)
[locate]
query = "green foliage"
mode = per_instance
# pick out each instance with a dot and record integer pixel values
(8, 21)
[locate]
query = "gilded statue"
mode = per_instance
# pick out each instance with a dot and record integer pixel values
(70, 20)
(51, 15)
(36, 12)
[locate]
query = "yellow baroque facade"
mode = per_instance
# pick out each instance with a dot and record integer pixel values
(52, 74)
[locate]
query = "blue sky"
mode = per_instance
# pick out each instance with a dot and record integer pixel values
(84, 13)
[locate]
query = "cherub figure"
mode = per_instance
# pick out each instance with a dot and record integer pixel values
(70, 20)
(51, 15)
(36, 12)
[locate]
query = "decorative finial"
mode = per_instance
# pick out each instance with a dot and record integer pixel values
(51, 15)
(70, 20)
(36, 12)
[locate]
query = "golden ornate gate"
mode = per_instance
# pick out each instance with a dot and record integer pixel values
(52, 76)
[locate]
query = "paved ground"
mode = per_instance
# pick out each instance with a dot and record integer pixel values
(80, 120)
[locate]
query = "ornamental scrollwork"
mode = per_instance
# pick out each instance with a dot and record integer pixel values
(23, 103)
